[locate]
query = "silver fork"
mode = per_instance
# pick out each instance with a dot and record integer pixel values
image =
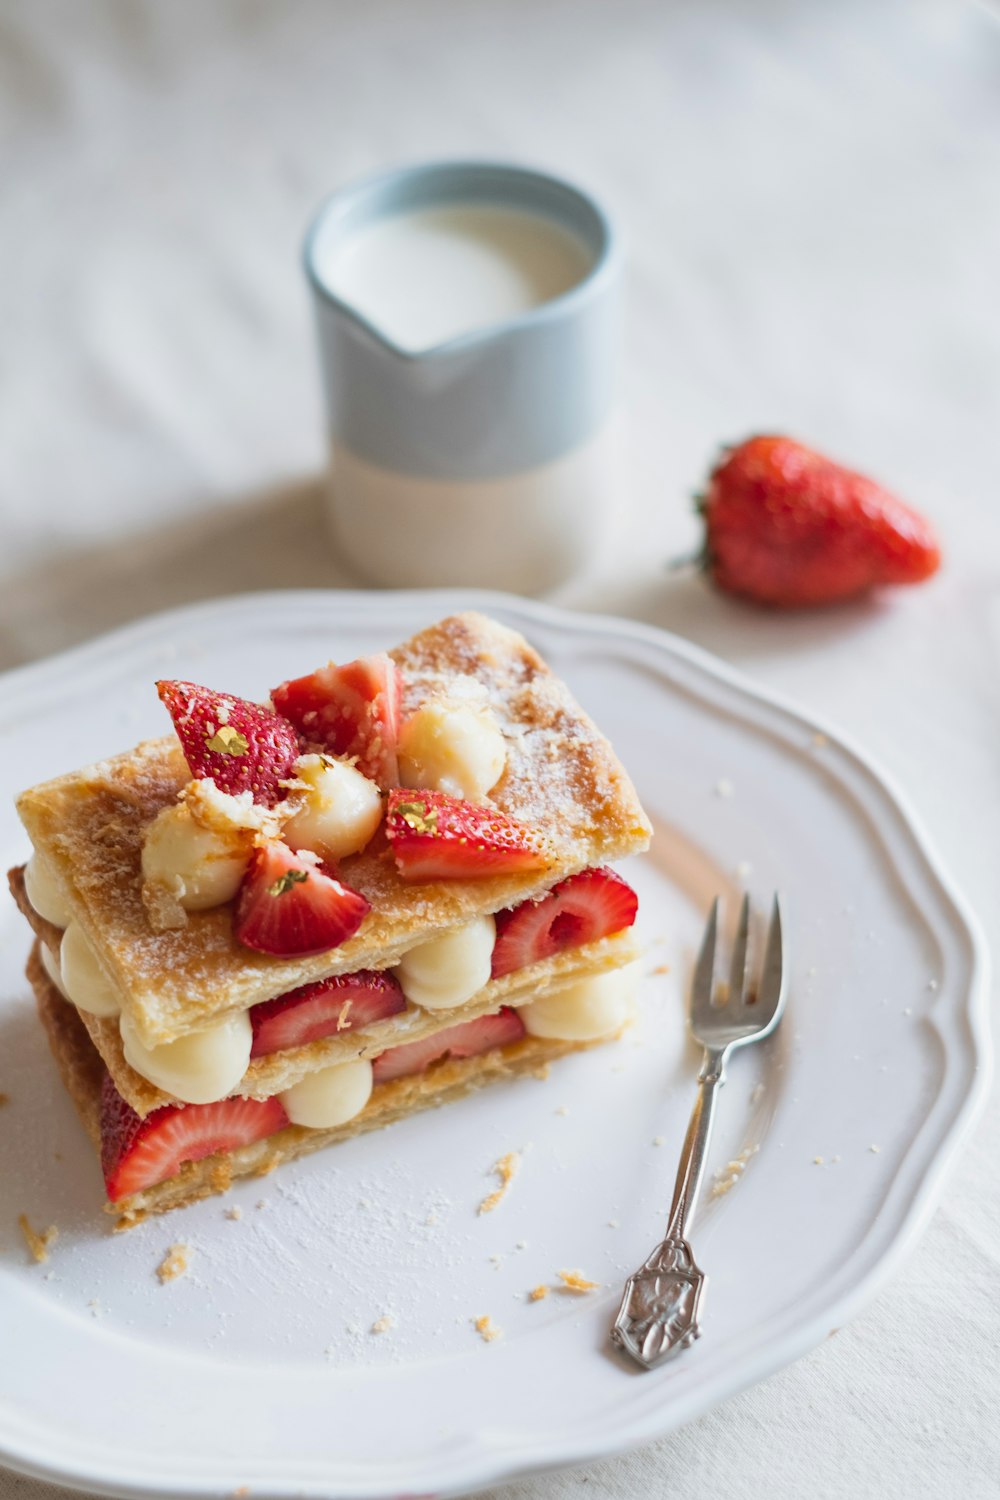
(658, 1316)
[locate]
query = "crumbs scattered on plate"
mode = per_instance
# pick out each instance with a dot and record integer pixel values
(575, 1281)
(37, 1241)
(506, 1168)
(487, 1329)
(174, 1264)
(384, 1323)
(728, 1176)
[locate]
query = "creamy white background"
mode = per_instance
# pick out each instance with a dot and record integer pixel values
(809, 193)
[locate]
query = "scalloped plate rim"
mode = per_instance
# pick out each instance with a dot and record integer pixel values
(475, 1467)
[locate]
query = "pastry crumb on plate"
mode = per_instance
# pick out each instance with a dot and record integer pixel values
(506, 1168)
(575, 1281)
(175, 1263)
(38, 1241)
(487, 1329)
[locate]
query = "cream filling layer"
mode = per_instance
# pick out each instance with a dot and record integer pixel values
(83, 980)
(584, 1010)
(447, 971)
(45, 895)
(330, 1096)
(200, 1068)
(50, 963)
(200, 867)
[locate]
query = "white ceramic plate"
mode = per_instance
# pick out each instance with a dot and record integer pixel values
(259, 1368)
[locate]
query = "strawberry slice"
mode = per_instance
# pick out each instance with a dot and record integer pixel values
(436, 837)
(137, 1154)
(242, 746)
(468, 1039)
(342, 1003)
(350, 710)
(588, 906)
(290, 906)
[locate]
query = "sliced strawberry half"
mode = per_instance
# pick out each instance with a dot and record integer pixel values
(588, 906)
(242, 746)
(350, 710)
(436, 837)
(342, 1003)
(292, 907)
(137, 1154)
(467, 1039)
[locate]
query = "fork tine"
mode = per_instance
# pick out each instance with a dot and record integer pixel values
(738, 969)
(772, 980)
(702, 983)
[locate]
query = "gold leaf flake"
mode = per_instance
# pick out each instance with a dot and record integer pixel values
(228, 741)
(418, 816)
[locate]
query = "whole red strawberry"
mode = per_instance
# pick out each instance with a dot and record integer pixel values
(787, 527)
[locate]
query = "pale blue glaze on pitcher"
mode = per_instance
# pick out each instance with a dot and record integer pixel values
(489, 448)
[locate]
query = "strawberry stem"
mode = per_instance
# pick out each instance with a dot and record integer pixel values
(685, 561)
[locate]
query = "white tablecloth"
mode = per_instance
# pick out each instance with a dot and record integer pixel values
(810, 193)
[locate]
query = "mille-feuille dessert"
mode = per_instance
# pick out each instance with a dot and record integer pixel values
(294, 921)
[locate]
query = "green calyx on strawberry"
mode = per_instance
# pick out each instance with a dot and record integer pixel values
(242, 746)
(292, 906)
(436, 837)
(788, 528)
(350, 710)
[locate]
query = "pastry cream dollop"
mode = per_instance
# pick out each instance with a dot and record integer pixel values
(44, 895)
(337, 812)
(83, 980)
(199, 867)
(329, 1096)
(200, 1068)
(584, 1010)
(454, 747)
(50, 963)
(446, 971)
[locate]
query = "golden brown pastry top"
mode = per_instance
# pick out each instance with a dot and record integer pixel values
(562, 778)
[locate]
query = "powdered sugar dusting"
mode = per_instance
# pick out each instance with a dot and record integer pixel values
(561, 778)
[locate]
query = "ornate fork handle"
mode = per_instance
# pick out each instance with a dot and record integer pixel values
(658, 1316)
